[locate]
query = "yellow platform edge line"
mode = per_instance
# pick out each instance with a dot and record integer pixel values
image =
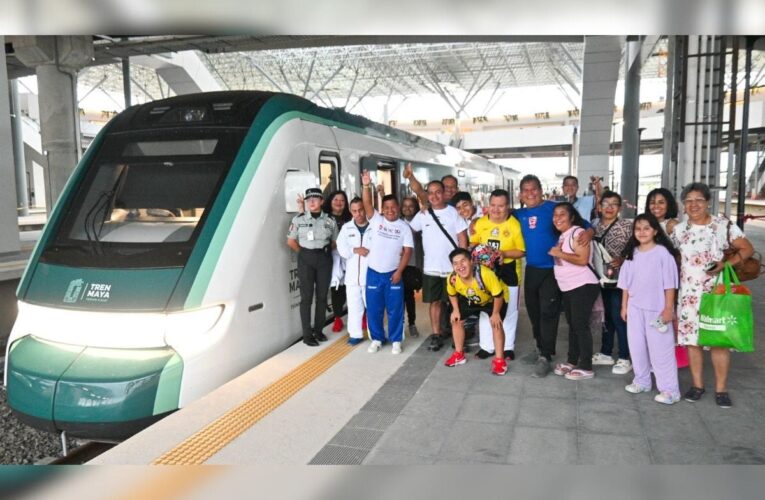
(206, 442)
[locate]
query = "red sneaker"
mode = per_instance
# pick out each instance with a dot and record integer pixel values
(457, 358)
(337, 326)
(498, 366)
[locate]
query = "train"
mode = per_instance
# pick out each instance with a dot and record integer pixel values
(163, 272)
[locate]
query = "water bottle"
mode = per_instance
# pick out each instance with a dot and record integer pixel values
(659, 324)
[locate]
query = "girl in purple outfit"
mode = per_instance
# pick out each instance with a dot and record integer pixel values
(649, 280)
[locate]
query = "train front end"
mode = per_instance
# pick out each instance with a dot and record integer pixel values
(105, 328)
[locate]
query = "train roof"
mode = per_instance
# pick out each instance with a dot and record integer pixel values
(239, 108)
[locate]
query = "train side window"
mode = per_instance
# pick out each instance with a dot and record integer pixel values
(295, 184)
(329, 172)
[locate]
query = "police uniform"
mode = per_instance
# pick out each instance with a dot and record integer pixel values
(314, 234)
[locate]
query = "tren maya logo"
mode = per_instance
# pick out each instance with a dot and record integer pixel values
(81, 291)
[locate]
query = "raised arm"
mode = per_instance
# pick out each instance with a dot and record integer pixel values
(597, 183)
(417, 188)
(366, 194)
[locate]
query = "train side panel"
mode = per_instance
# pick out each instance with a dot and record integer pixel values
(255, 275)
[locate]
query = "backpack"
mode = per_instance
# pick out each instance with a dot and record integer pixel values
(476, 274)
(600, 261)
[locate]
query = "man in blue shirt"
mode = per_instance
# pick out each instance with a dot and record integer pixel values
(585, 205)
(542, 295)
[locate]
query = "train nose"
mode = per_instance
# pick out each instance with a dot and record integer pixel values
(95, 393)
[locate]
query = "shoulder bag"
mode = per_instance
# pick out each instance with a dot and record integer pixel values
(441, 227)
(747, 269)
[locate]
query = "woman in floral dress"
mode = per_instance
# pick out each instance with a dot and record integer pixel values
(701, 240)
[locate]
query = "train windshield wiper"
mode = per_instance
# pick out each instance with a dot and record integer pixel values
(93, 223)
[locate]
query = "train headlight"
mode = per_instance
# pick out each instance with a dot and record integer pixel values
(188, 325)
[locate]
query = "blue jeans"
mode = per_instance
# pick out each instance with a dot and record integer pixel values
(383, 295)
(612, 303)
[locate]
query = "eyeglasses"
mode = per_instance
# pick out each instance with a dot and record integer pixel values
(695, 201)
(610, 205)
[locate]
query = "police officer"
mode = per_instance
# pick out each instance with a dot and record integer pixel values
(312, 235)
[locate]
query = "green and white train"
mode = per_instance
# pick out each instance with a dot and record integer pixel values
(163, 271)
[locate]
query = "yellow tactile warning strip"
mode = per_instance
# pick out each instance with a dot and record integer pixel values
(171, 482)
(211, 439)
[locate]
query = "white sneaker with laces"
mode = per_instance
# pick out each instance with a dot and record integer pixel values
(636, 388)
(601, 359)
(396, 348)
(622, 367)
(374, 346)
(667, 398)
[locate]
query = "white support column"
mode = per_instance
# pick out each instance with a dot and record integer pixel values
(686, 153)
(600, 74)
(56, 60)
(9, 222)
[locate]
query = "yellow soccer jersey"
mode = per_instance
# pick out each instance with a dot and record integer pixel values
(475, 295)
(503, 236)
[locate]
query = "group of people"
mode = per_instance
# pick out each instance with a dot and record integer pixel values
(469, 264)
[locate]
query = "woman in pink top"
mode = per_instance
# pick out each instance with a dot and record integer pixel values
(580, 289)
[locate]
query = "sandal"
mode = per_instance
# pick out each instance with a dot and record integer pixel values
(723, 400)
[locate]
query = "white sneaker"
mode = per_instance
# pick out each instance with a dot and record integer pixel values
(622, 367)
(374, 346)
(636, 388)
(396, 348)
(667, 398)
(601, 359)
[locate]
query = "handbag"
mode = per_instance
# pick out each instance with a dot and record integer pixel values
(748, 269)
(725, 314)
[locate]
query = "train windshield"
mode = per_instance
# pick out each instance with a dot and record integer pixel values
(143, 199)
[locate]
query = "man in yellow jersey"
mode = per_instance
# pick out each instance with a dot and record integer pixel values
(475, 289)
(498, 230)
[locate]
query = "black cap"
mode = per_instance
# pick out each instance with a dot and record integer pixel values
(313, 193)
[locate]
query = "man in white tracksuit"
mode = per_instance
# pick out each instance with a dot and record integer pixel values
(353, 246)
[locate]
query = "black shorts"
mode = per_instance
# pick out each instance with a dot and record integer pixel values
(467, 309)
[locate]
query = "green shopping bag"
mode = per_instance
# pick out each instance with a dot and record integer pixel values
(725, 314)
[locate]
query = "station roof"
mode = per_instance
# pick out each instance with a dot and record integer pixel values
(336, 71)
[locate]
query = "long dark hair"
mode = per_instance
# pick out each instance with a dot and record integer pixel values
(660, 238)
(327, 208)
(671, 201)
(573, 215)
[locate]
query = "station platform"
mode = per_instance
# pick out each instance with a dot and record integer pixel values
(343, 405)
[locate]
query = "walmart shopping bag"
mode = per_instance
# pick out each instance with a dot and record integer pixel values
(725, 315)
